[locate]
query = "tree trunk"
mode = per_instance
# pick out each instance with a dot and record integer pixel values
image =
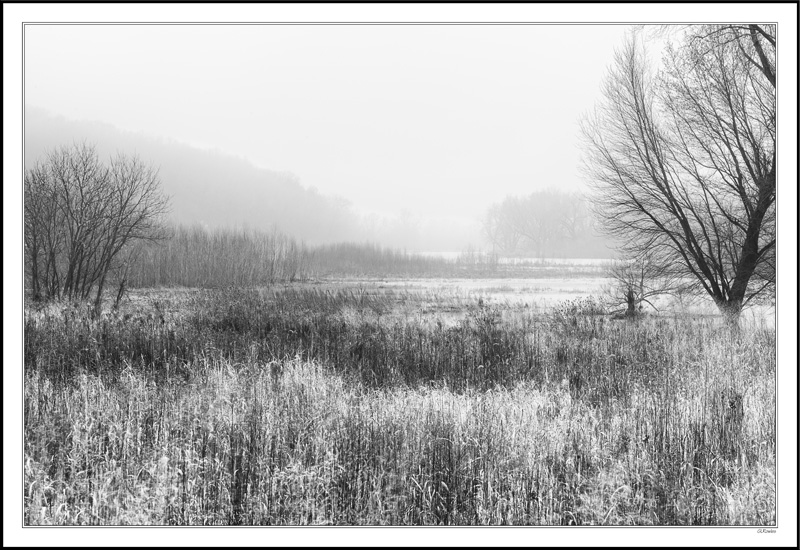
(766, 67)
(34, 261)
(731, 310)
(99, 298)
(120, 293)
(631, 301)
(750, 251)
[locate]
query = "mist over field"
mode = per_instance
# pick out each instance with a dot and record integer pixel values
(216, 189)
(219, 190)
(405, 143)
(207, 187)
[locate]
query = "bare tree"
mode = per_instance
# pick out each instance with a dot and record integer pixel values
(683, 165)
(83, 220)
(757, 43)
(537, 220)
(502, 235)
(638, 281)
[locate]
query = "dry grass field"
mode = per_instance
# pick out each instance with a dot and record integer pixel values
(369, 404)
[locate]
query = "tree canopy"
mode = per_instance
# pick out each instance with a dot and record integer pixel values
(682, 163)
(83, 217)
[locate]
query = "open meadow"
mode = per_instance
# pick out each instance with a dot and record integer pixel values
(395, 402)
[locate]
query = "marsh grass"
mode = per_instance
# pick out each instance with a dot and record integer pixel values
(193, 256)
(381, 407)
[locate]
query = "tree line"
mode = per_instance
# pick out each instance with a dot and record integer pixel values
(546, 223)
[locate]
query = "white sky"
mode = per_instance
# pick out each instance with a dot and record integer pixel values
(437, 120)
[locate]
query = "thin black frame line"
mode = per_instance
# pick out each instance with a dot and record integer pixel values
(488, 23)
(379, 23)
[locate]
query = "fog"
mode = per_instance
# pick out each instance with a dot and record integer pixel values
(410, 126)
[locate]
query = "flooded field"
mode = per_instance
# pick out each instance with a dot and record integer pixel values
(540, 294)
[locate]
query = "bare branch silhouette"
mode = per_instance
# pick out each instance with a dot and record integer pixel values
(683, 165)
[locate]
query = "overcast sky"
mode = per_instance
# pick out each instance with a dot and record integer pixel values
(435, 120)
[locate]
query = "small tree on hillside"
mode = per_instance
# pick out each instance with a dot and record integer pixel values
(83, 220)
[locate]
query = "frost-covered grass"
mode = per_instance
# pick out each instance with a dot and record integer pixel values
(384, 406)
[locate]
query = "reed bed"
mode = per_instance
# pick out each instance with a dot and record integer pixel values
(197, 257)
(380, 407)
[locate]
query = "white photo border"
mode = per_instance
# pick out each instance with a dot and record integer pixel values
(784, 14)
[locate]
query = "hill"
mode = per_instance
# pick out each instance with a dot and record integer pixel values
(206, 187)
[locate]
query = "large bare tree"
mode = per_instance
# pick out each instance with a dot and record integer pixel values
(682, 164)
(83, 219)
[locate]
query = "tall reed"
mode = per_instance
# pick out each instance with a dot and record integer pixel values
(305, 407)
(198, 257)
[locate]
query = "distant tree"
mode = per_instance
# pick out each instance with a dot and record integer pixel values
(498, 229)
(83, 220)
(575, 218)
(538, 223)
(538, 220)
(683, 165)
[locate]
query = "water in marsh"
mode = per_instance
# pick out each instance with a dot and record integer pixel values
(540, 295)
